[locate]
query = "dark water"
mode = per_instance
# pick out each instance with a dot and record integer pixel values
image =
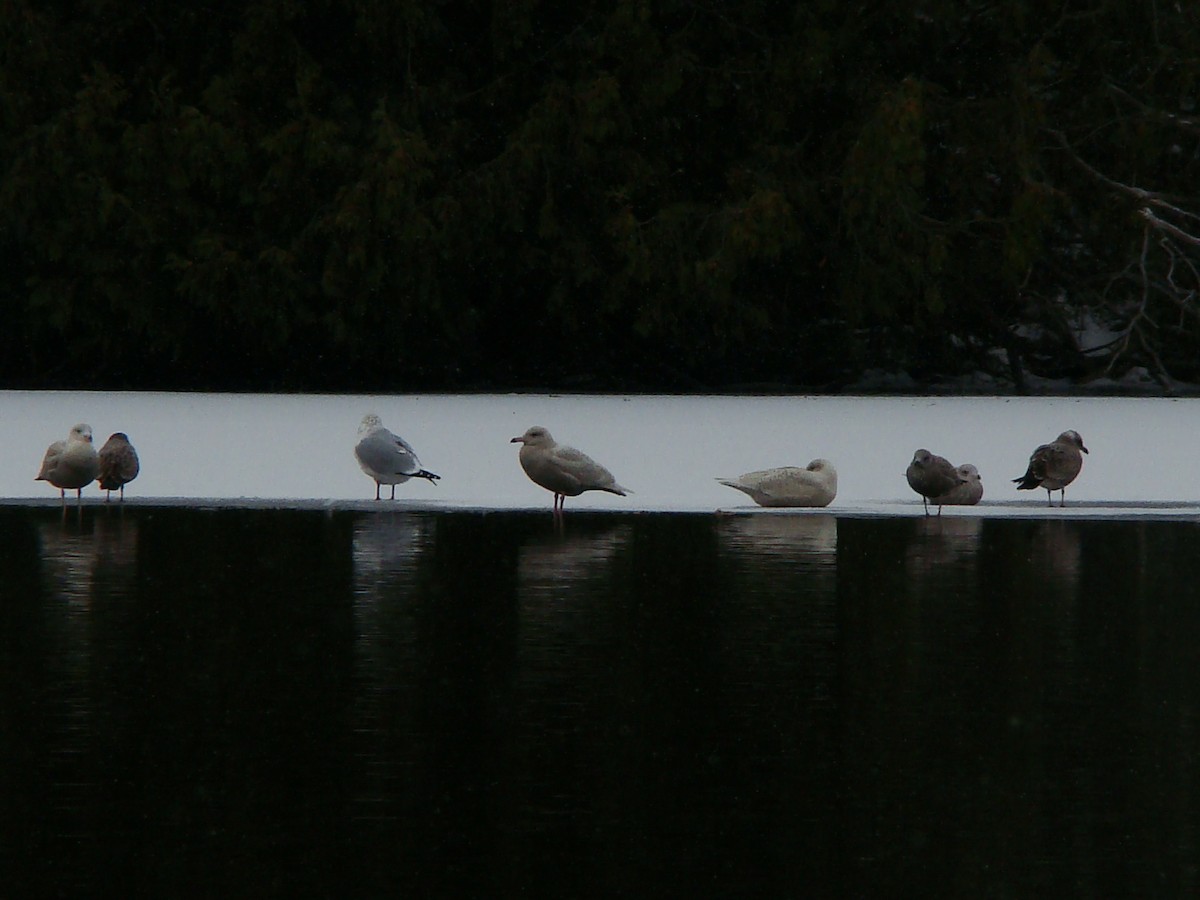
(282, 703)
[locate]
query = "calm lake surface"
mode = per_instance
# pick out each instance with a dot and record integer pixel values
(250, 702)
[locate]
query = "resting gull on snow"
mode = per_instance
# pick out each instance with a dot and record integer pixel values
(564, 471)
(814, 485)
(1053, 466)
(968, 493)
(71, 464)
(118, 464)
(931, 476)
(387, 458)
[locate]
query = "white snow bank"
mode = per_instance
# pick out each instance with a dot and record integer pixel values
(667, 449)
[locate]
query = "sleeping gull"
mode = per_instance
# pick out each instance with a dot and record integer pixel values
(931, 476)
(968, 493)
(1053, 466)
(118, 464)
(387, 458)
(71, 464)
(814, 485)
(563, 470)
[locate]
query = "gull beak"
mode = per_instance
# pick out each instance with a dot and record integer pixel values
(1083, 448)
(517, 440)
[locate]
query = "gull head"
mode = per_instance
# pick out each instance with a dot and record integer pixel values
(369, 423)
(922, 458)
(1072, 437)
(536, 436)
(81, 432)
(969, 473)
(819, 465)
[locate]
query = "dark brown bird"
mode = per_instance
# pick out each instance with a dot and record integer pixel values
(1053, 466)
(118, 465)
(932, 477)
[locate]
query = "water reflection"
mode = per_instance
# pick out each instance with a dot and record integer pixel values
(779, 642)
(1055, 552)
(386, 546)
(386, 551)
(810, 536)
(472, 704)
(569, 649)
(68, 555)
(942, 544)
(87, 567)
(552, 561)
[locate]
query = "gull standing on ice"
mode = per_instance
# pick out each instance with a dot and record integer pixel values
(118, 464)
(1053, 466)
(968, 493)
(931, 476)
(562, 470)
(71, 464)
(387, 458)
(814, 485)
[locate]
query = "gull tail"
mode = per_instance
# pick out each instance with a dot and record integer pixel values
(425, 473)
(617, 489)
(1027, 482)
(729, 482)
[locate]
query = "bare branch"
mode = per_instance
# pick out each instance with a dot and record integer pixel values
(1165, 202)
(1173, 230)
(1159, 115)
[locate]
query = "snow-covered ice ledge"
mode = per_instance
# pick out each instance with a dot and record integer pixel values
(296, 451)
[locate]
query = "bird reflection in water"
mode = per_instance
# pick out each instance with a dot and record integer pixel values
(1054, 551)
(813, 536)
(386, 545)
(942, 543)
(568, 556)
(386, 552)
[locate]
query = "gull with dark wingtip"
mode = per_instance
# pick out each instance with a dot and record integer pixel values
(1053, 466)
(386, 457)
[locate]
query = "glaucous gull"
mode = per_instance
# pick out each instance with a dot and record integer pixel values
(564, 471)
(814, 485)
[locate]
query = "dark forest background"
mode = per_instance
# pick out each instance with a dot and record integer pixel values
(414, 195)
